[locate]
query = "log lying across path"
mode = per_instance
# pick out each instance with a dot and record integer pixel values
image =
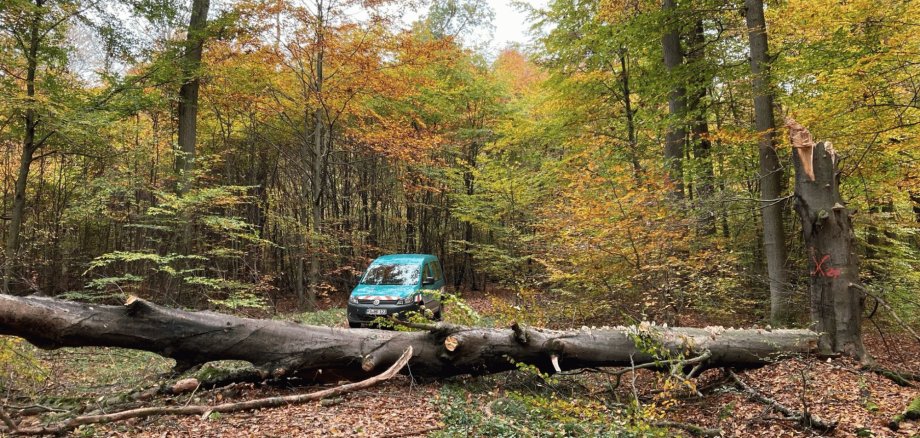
(284, 348)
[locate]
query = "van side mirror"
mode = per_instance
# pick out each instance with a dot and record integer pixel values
(427, 281)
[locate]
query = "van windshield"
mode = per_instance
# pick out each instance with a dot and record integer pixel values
(392, 275)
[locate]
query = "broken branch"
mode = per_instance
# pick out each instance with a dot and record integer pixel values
(804, 418)
(205, 410)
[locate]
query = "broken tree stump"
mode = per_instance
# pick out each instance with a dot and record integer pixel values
(837, 298)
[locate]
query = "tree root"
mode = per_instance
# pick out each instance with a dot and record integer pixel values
(900, 378)
(690, 428)
(205, 410)
(911, 413)
(804, 418)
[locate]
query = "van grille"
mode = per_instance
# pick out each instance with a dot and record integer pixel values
(383, 300)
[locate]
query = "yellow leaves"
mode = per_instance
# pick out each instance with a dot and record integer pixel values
(732, 136)
(18, 363)
(618, 11)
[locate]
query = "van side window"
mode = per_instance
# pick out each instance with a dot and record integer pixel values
(426, 272)
(436, 270)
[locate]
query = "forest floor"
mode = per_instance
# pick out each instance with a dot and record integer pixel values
(518, 403)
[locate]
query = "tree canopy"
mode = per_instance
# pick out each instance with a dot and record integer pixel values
(329, 132)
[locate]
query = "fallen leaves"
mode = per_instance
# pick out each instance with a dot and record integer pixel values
(394, 408)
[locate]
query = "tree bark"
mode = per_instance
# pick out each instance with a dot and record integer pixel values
(677, 100)
(29, 146)
(318, 155)
(188, 93)
(630, 115)
(280, 348)
(702, 144)
(837, 298)
(771, 172)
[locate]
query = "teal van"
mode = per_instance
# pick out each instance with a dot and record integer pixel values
(395, 285)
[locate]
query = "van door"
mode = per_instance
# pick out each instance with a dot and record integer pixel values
(437, 288)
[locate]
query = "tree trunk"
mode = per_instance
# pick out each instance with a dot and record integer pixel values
(630, 118)
(837, 299)
(915, 200)
(677, 100)
(317, 168)
(702, 144)
(188, 93)
(771, 173)
(280, 348)
(29, 146)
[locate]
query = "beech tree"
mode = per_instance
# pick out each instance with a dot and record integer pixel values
(677, 98)
(837, 297)
(283, 349)
(771, 171)
(188, 92)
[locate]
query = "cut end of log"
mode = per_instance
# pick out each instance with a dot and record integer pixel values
(131, 300)
(367, 364)
(184, 385)
(451, 343)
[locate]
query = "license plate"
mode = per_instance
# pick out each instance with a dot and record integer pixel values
(376, 311)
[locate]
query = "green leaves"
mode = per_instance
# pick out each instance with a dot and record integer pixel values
(191, 243)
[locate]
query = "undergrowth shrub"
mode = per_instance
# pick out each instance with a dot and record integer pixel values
(20, 369)
(187, 250)
(521, 403)
(334, 317)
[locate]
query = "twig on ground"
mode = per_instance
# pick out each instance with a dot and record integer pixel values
(413, 432)
(193, 394)
(805, 418)
(691, 428)
(205, 410)
(34, 409)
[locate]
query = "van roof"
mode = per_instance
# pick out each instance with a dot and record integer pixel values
(404, 258)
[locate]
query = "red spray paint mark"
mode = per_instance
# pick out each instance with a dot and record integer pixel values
(820, 270)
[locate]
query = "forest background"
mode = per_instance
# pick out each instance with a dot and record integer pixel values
(255, 155)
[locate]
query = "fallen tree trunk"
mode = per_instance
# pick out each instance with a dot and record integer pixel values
(280, 348)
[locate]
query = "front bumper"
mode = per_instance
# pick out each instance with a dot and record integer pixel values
(357, 313)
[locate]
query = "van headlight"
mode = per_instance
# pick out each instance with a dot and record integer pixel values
(352, 300)
(410, 299)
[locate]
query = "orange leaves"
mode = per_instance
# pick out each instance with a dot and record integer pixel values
(514, 70)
